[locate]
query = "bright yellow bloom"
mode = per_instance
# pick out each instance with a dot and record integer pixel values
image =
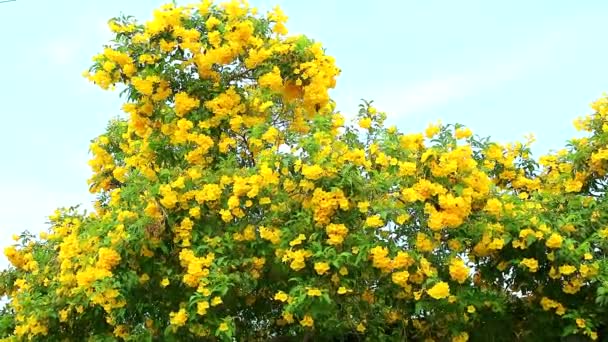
(458, 270)
(312, 172)
(374, 221)
(363, 207)
(223, 327)
(108, 258)
(184, 103)
(530, 263)
(365, 123)
(400, 278)
(462, 337)
(573, 185)
(313, 292)
(343, 290)
(432, 130)
(462, 133)
(439, 290)
(120, 174)
(567, 269)
(272, 80)
(215, 301)
(307, 321)
(281, 296)
(179, 318)
(494, 206)
(554, 241)
(298, 240)
(201, 307)
(321, 268)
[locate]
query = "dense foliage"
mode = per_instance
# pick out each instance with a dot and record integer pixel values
(234, 202)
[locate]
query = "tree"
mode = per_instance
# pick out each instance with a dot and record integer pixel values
(235, 203)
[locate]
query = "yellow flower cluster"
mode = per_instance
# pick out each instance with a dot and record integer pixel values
(234, 189)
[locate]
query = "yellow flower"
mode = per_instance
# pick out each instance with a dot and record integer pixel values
(580, 323)
(470, 309)
(573, 185)
(272, 80)
(233, 202)
(223, 327)
(164, 282)
(462, 133)
(363, 206)
(108, 258)
(401, 219)
(423, 243)
(120, 174)
(63, 315)
(458, 270)
(554, 241)
(400, 278)
(567, 269)
(374, 221)
(432, 130)
(361, 328)
(288, 317)
(313, 292)
(201, 307)
(462, 337)
(281, 296)
(212, 22)
(184, 103)
(298, 240)
(121, 331)
(216, 301)
(365, 123)
(307, 321)
(312, 172)
(343, 290)
(178, 318)
(530, 263)
(439, 290)
(321, 267)
(336, 233)
(494, 207)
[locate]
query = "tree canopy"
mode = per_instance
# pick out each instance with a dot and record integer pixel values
(235, 203)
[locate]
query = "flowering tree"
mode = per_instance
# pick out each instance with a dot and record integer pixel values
(235, 203)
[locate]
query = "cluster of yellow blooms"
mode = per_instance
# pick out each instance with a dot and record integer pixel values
(234, 201)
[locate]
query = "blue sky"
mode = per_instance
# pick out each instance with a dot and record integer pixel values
(504, 69)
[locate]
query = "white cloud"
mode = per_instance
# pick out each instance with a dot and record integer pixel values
(431, 93)
(66, 49)
(103, 33)
(439, 91)
(62, 51)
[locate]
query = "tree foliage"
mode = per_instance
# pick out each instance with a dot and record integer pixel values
(235, 203)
